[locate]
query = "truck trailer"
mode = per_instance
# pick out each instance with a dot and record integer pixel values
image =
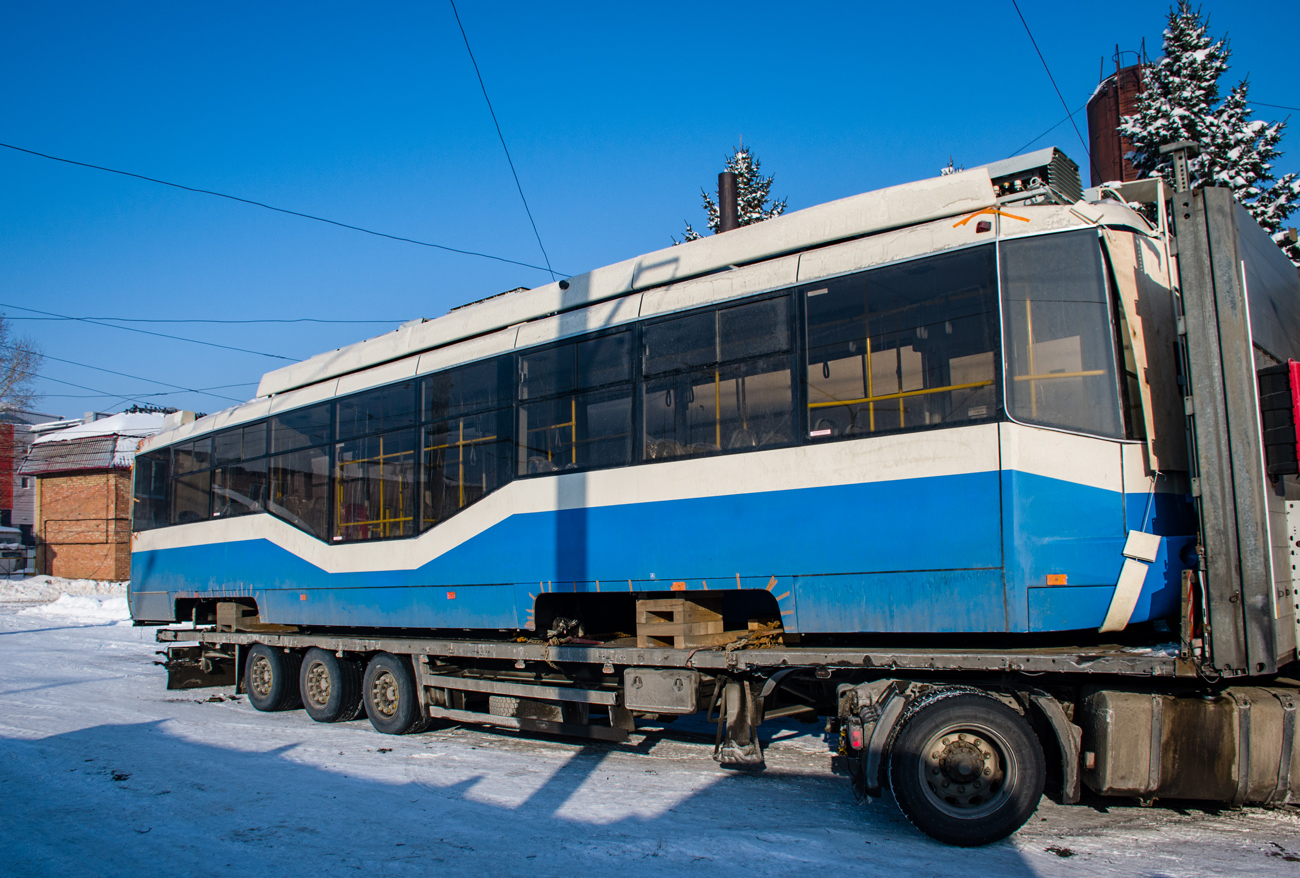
(995, 475)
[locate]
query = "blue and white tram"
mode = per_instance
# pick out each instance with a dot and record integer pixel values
(909, 411)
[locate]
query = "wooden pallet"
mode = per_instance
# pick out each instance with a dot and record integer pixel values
(680, 623)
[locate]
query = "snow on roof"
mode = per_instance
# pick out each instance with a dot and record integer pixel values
(108, 443)
(135, 425)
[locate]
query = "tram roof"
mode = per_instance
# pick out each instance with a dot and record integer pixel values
(847, 218)
(844, 235)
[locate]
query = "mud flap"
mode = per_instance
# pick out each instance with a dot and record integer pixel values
(737, 741)
(197, 667)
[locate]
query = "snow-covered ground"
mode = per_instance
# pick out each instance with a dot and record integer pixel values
(104, 772)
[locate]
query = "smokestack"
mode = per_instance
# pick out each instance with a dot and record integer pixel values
(728, 206)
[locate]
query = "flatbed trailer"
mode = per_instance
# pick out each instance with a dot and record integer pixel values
(1179, 689)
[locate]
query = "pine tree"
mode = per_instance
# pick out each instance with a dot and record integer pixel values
(1180, 101)
(752, 190)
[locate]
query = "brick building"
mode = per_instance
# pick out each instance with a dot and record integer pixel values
(83, 495)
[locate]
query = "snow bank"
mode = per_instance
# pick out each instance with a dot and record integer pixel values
(44, 589)
(88, 609)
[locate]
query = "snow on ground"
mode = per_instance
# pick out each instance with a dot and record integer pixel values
(17, 591)
(104, 772)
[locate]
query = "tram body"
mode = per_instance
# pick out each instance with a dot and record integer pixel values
(907, 412)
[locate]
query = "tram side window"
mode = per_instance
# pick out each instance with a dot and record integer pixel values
(904, 347)
(299, 489)
(375, 487)
(377, 411)
(239, 482)
(575, 406)
(463, 459)
(151, 508)
(465, 443)
(717, 381)
(300, 428)
(1060, 341)
(191, 488)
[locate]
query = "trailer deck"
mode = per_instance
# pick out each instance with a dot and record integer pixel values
(1108, 660)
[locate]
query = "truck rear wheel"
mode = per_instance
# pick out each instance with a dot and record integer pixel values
(966, 769)
(331, 686)
(271, 676)
(391, 700)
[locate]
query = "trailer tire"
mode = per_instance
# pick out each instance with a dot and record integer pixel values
(392, 702)
(965, 768)
(330, 686)
(271, 676)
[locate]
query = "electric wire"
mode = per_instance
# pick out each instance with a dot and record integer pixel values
(502, 138)
(1047, 132)
(1274, 106)
(178, 387)
(210, 344)
(319, 219)
(206, 320)
(1052, 79)
(96, 390)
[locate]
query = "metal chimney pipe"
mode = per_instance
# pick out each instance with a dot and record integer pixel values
(728, 202)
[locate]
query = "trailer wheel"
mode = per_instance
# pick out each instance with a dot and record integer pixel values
(272, 678)
(331, 686)
(391, 700)
(966, 769)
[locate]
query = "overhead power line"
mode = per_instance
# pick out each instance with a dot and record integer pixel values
(1047, 132)
(1274, 106)
(1086, 151)
(319, 219)
(210, 344)
(502, 138)
(178, 387)
(206, 320)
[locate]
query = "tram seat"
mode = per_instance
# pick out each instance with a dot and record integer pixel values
(743, 438)
(539, 464)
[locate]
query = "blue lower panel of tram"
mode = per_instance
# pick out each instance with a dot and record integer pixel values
(910, 555)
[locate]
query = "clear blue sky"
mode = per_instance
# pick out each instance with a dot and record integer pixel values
(615, 114)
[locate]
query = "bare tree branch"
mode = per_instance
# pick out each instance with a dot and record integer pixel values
(20, 364)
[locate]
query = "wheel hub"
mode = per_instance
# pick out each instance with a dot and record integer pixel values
(384, 694)
(963, 770)
(261, 677)
(318, 684)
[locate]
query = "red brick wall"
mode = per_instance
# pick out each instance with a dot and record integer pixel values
(6, 466)
(84, 525)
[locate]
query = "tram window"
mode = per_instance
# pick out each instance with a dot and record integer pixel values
(190, 497)
(193, 456)
(239, 489)
(476, 387)
(295, 429)
(736, 407)
(605, 360)
(463, 460)
(547, 372)
(754, 329)
(239, 443)
(377, 411)
(375, 487)
(1060, 340)
(575, 432)
(904, 347)
(152, 490)
(300, 489)
(681, 343)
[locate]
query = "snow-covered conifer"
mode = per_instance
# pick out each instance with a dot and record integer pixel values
(752, 193)
(1180, 101)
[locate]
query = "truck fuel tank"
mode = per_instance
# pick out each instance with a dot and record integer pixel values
(1234, 745)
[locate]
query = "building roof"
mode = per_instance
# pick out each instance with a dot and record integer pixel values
(108, 443)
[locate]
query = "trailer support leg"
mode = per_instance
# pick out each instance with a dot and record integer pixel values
(737, 742)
